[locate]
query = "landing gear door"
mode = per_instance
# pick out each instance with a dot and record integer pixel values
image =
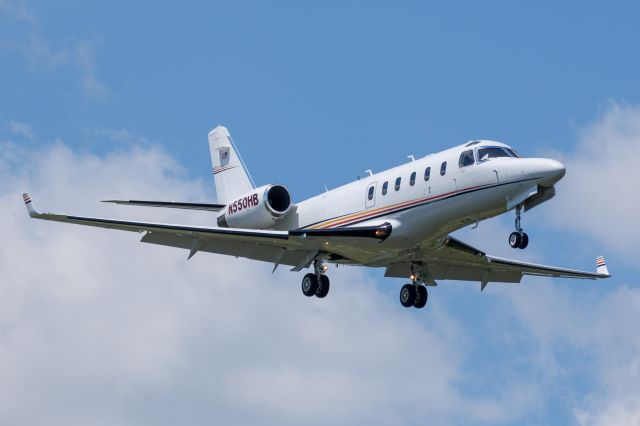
(370, 196)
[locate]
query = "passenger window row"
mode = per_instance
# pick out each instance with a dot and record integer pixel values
(467, 158)
(412, 180)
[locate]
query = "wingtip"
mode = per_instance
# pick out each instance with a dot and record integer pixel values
(601, 267)
(29, 204)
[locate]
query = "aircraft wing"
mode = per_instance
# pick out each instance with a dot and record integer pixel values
(456, 260)
(296, 247)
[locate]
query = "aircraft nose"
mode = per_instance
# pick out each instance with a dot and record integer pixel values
(553, 172)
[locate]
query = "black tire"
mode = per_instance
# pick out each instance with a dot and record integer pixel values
(309, 285)
(421, 297)
(407, 295)
(514, 240)
(525, 241)
(323, 287)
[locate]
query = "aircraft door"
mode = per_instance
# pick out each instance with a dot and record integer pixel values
(370, 196)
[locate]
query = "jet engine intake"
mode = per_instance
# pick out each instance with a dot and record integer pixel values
(260, 208)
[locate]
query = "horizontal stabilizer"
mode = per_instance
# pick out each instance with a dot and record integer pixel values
(169, 204)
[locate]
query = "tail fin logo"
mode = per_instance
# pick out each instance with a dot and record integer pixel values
(224, 156)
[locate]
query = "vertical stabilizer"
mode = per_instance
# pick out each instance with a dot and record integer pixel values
(229, 173)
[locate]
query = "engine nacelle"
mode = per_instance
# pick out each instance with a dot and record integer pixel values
(260, 208)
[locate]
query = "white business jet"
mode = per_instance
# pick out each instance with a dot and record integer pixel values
(399, 219)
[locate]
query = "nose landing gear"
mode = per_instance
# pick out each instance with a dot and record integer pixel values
(518, 239)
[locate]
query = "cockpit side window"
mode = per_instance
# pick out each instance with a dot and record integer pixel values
(513, 152)
(492, 152)
(466, 159)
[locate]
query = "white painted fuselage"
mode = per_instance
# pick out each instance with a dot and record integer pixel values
(427, 204)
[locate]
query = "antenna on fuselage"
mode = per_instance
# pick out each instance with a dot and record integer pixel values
(411, 157)
(369, 171)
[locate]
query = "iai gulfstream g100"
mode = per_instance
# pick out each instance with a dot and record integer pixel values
(399, 219)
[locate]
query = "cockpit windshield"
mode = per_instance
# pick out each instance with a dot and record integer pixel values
(495, 152)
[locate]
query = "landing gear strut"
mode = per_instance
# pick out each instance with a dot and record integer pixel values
(518, 239)
(414, 294)
(316, 284)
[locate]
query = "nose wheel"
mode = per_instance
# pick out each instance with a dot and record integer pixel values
(518, 239)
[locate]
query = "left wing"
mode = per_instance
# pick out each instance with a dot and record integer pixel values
(455, 260)
(296, 247)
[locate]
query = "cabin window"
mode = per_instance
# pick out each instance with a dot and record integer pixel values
(443, 168)
(397, 186)
(412, 179)
(466, 159)
(427, 173)
(384, 188)
(370, 194)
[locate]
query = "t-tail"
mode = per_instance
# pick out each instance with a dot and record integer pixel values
(229, 172)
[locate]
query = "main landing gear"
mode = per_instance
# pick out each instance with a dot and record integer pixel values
(518, 239)
(414, 294)
(316, 284)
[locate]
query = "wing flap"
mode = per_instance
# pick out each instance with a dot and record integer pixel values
(245, 249)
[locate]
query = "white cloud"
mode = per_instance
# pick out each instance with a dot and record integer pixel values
(598, 195)
(41, 53)
(595, 323)
(22, 130)
(100, 329)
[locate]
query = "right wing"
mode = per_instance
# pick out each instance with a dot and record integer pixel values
(169, 204)
(456, 260)
(297, 248)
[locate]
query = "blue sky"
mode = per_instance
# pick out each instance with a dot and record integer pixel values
(315, 95)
